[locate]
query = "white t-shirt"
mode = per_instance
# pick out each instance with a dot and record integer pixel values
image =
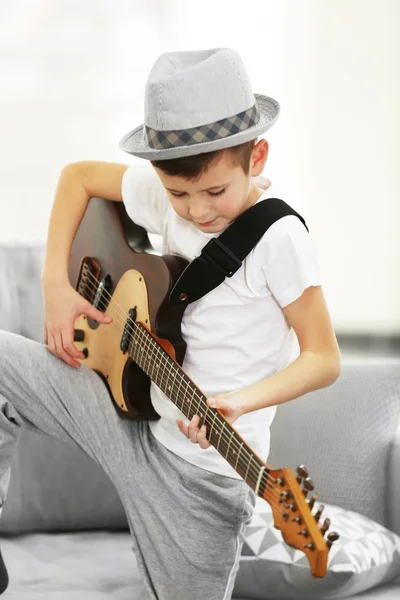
(237, 334)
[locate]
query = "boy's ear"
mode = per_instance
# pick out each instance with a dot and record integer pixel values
(259, 157)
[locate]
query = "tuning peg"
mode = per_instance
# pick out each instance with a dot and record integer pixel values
(304, 532)
(319, 512)
(312, 500)
(310, 545)
(325, 526)
(298, 519)
(286, 494)
(308, 486)
(332, 537)
(302, 473)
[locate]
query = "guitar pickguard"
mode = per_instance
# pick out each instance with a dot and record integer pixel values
(102, 342)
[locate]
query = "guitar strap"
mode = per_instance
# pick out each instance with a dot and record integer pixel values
(223, 255)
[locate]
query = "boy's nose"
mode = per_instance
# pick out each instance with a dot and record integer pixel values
(199, 211)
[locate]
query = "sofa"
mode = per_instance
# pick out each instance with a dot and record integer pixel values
(64, 533)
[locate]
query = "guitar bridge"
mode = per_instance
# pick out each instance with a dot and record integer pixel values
(97, 292)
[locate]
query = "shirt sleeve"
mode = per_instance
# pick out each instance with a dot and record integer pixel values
(292, 260)
(145, 198)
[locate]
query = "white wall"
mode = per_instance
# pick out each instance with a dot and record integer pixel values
(72, 77)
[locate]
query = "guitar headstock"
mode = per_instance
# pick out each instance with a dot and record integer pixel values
(287, 495)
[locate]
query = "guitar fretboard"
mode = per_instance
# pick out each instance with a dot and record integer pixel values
(190, 400)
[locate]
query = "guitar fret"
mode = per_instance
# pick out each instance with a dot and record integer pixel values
(220, 435)
(178, 379)
(213, 423)
(171, 365)
(248, 465)
(191, 400)
(184, 395)
(229, 444)
(161, 373)
(173, 381)
(237, 459)
(259, 479)
(151, 363)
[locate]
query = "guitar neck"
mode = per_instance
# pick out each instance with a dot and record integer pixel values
(180, 389)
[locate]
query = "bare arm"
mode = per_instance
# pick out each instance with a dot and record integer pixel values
(78, 182)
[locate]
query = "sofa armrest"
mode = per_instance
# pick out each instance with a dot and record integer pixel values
(393, 483)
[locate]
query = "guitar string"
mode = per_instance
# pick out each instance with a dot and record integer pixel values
(255, 470)
(281, 503)
(228, 439)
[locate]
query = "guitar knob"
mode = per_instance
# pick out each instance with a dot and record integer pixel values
(302, 473)
(79, 335)
(332, 537)
(308, 486)
(319, 512)
(325, 526)
(312, 501)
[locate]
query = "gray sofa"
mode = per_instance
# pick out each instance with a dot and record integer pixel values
(63, 531)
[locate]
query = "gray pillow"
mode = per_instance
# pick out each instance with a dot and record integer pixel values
(56, 487)
(365, 555)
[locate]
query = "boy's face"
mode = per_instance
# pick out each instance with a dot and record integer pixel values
(211, 210)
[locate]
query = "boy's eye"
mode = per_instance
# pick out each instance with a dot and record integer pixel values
(211, 193)
(217, 193)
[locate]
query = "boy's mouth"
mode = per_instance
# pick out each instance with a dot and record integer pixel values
(206, 223)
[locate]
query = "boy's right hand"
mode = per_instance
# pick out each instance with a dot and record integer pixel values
(62, 306)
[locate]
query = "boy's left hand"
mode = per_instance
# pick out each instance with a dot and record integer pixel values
(231, 405)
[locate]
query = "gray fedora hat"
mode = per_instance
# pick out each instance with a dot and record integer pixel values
(198, 101)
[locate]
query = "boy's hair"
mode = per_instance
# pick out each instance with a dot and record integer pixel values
(192, 167)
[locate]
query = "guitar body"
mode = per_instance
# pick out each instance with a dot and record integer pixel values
(109, 247)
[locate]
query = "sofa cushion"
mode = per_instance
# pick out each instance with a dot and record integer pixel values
(365, 555)
(72, 566)
(344, 434)
(21, 294)
(56, 487)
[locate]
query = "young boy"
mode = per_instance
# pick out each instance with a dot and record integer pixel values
(187, 508)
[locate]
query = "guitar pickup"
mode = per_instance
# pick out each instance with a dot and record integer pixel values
(128, 332)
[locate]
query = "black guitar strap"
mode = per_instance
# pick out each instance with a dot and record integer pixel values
(223, 255)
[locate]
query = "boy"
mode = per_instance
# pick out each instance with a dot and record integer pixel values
(186, 506)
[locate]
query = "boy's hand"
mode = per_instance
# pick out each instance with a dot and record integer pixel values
(232, 405)
(62, 306)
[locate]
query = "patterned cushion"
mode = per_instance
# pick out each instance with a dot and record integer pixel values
(365, 555)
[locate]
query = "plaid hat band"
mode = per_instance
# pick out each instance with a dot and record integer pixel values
(198, 101)
(211, 132)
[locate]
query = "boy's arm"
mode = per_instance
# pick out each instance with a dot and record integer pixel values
(78, 182)
(317, 366)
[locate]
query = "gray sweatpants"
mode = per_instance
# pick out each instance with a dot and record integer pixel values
(187, 523)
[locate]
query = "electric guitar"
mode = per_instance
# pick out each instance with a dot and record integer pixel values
(115, 268)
